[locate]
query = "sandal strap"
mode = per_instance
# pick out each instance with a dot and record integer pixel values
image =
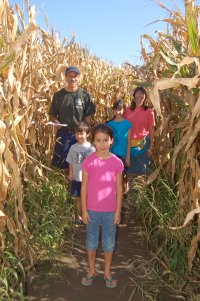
(87, 281)
(109, 280)
(90, 277)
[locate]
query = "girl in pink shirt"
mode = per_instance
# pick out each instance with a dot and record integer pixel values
(101, 198)
(142, 132)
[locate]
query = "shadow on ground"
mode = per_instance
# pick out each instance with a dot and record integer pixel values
(72, 266)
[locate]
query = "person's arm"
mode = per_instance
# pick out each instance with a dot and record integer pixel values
(90, 108)
(119, 191)
(84, 185)
(70, 176)
(151, 138)
(128, 148)
(55, 120)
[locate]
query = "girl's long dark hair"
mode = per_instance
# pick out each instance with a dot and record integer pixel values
(144, 105)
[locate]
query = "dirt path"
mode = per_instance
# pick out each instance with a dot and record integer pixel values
(130, 244)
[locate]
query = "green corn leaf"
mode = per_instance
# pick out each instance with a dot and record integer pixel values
(192, 27)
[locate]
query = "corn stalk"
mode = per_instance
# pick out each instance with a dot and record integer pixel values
(171, 69)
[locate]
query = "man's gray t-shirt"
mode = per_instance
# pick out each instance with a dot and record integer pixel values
(76, 155)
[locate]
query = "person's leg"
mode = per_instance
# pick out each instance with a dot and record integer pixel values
(125, 183)
(124, 175)
(64, 140)
(108, 243)
(92, 241)
(88, 279)
(75, 194)
(91, 262)
(58, 153)
(108, 262)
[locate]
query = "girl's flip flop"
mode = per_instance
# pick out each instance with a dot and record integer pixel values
(110, 283)
(87, 281)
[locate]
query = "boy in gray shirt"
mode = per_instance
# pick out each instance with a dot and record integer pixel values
(77, 153)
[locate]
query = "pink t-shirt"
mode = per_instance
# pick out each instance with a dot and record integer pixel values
(102, 175)
(142, 121)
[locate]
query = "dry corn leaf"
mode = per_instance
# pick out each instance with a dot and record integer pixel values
(188, 218)
(192, 250)
(21, 16)
(2, 215)
(2, 129)
(177, 149)
(189, 82)
(11, 78)
(2, 237)
(2, 7)
(14, 28)
(12, 229)
(16, 183)
(4, 179)
(153, 44)
(188, 61)
(15, 48)
(195, 111)
(193, 135)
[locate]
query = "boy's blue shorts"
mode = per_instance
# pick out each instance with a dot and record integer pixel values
(106, 221)
(75, 188)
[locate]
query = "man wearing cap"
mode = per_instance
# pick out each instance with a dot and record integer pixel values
(69, 106)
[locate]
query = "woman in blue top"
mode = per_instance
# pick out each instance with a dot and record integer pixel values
(122, 135)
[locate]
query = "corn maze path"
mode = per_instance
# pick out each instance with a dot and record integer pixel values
(130, 245)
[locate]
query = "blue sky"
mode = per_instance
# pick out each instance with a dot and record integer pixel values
(110, 29)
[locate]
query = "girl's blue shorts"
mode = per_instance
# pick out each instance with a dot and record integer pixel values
(106, 221)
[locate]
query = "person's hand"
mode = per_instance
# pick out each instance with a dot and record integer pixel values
(127, 161)
(117, 218)
(85, 217)
(55, 124)
(149, 152)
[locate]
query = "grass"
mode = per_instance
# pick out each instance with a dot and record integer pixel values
(12, 277)
(51, 222)
(157, 207)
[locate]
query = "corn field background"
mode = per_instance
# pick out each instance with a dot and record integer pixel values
(32, 64)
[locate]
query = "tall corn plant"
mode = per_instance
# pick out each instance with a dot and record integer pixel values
(171, 70)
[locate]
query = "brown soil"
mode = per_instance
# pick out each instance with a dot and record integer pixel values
(131, 245)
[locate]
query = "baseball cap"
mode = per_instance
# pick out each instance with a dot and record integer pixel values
(72, 69)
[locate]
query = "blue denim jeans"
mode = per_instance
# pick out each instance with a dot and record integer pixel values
(106, 221)
(140, 162)
(64, 141)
